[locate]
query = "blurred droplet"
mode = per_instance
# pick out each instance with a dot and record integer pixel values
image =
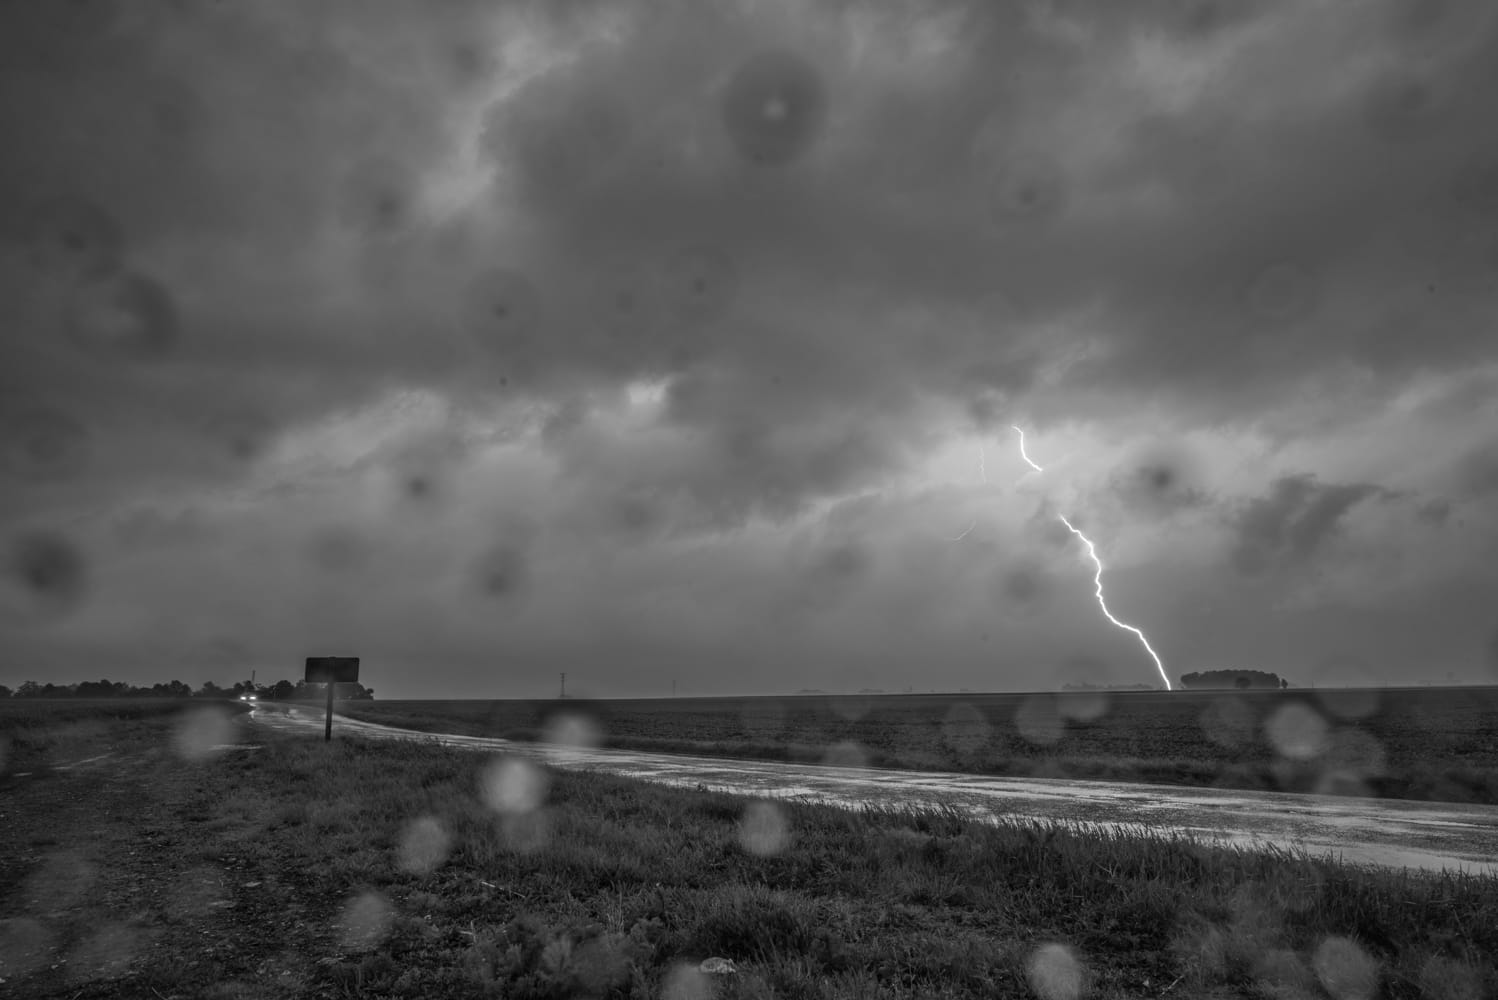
(687, 982)
(338, 549)
(1056, 973)
(25, 946)
(1083, 706)
(377, 200)
(1345, 970)
(1349, 703)
(845, 754)
(1229, 722)
(63, 881)
(1450, 979)
(201, 733)
(965, 730)
(526, 833)
(503, 309)
(763, 829)
(74, 240)
(699, 283)
(1400, 106)
(105, 954)
(1352, 760)
(1296, 731)
(424, 846)
(1026, 187)
(128, 317)
(513, 786)
(572, 729)
(196, 893)
(45, 577)
(763, 717)
(1023, 587)
(1038, 720)
(773, 107)
(43, 444)
(1281, 292)
(850, 707)
(624, 305)
(364, 922)
(501, 572)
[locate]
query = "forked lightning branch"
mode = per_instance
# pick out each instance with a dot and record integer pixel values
(1098, 576)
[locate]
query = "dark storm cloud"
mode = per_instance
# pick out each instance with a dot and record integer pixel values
(1294, 522)
(694, 299)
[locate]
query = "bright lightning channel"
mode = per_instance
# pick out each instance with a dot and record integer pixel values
(1097, 577)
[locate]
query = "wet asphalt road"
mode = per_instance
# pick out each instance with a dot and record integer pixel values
(1385, 832)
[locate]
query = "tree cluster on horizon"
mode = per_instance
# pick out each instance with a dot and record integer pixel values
(1233, 679)
(282, 690)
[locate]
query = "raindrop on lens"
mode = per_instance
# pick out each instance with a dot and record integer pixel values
(763, 829)
(700, 282)
(74, 240)
(1055, 973)
(1038, 720)
(364, 922)
(129, 317)
(964, 730)
(773, 108)
(200, 733)
(424, 846)
(1345, 970)
(1296, 731)
(512, 786)
(44, 444)
(44, 575)
(502, 308)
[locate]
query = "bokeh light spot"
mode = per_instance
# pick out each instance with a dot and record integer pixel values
(1349, 703)
(424, 845)
(1056, 973)
(763, 829)
(573, 729)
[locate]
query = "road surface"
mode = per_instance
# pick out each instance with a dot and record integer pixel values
(1389, 833)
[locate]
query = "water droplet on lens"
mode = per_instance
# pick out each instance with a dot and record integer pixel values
(700, 282)
(129, 317)
(763, 829)
(1296, 731)
(365, 921)
(424, 846)
(503, 310)
(965, 731)
(774, 107)
(74, 240)
(513, 786)
(44, 575)
(1055, 973)
(1345, 970)
(43, 444)
(1039, 721)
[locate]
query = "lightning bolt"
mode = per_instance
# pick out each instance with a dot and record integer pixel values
(1097, 578)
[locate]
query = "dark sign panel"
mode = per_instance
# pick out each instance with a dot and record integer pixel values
(338, 669)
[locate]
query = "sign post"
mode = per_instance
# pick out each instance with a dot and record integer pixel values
(331, 670)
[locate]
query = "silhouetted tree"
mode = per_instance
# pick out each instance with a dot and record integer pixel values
(282, 690)
(4, 691)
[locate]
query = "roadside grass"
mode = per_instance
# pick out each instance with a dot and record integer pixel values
(377, 868)
(38, 732)
(1437, 752)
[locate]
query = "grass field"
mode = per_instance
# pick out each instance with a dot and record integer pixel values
(1416, 743)
(375, 869)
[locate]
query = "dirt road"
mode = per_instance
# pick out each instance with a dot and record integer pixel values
(1387, 832)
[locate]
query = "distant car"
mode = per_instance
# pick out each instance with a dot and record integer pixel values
(249, 697)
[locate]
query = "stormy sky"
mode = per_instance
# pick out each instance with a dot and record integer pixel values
(685, 341)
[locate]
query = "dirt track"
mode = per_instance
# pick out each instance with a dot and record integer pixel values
(1386, 832)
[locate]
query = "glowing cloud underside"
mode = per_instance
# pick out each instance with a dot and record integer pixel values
(1098, 576)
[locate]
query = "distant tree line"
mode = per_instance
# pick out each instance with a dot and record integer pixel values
(1089, 686)
(1233, 679)
(282, 690)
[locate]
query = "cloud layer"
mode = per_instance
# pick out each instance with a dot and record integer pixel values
(685, 342)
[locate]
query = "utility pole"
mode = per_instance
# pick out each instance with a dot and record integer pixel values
(564, 686)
